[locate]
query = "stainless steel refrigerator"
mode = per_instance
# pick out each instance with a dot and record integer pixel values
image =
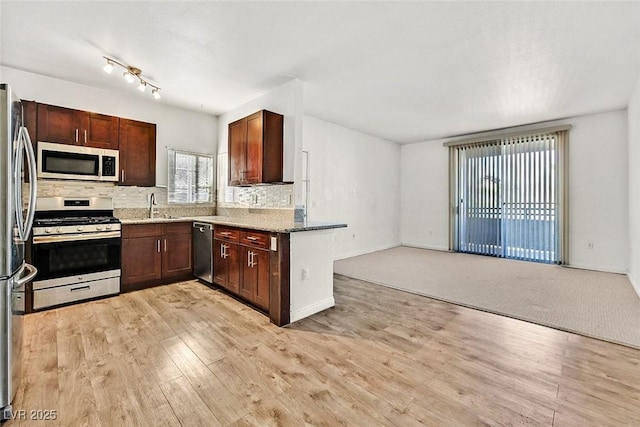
(16, 218)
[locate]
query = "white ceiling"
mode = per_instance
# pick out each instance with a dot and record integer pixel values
(404, 71)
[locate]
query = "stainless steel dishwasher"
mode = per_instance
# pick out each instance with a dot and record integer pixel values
(203, 251)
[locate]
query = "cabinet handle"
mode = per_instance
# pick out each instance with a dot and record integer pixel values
(249, 259)
(76, 135)
(85, 136)
(122, 175)
(165, 245)
(158, 243)
(253, 239)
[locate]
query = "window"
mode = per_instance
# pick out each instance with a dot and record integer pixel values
(509, 196)
(190, 177)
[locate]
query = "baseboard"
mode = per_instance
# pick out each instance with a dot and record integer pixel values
(368, 251)
(312, 309)
(634, 283)
(592, 268)
(430, 247)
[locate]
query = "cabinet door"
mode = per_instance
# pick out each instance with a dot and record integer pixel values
(141, 261)
(237, 151)
(177, 255)
(58, 124)
(253, 168)
(233, 267)
(219, 264)
(100, 131)
(255, 277)
(249, 275)
(137, 153)
(261, 265)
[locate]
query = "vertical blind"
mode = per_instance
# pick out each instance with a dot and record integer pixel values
(190, 177)
(508, 197)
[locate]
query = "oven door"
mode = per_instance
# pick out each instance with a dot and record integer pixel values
(71, 255)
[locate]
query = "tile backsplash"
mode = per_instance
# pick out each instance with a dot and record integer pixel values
(279, 196)
(127, 201)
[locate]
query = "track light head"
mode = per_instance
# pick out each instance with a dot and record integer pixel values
(156, 93)
(108, 68)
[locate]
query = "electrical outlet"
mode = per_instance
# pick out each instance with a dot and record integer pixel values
(590, 245)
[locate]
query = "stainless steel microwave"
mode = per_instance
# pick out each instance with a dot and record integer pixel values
(62, 161)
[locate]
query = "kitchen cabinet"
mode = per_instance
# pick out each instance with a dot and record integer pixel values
(226, 261)
(254, 286)
(137, 153)
(77, 127)
(177, 252)
(154, 254)
(256, 149)
(242, 264)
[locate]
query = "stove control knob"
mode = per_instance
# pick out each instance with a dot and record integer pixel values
(79, 228)
(109, 226)
(98, 227)
(58, 230)
(47, 230)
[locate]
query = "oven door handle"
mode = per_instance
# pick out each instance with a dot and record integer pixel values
(75, 237)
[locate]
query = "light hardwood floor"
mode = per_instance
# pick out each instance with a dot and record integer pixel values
(185, 354)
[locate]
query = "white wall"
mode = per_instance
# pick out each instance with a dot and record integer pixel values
(598, 197)
(633, 119)
(425, 195)
(175, 127)
(354, 179)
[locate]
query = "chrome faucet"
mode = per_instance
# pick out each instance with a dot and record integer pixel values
(152, 203)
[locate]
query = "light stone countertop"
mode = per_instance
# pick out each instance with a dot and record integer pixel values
(263, 224)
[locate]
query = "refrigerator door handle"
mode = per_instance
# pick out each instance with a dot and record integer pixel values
(33, 182)
(26, 279)
(17, 189)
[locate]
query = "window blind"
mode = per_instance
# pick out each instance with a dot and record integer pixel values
(508, 197)
(190, 177)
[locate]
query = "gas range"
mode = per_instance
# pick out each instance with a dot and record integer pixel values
(76, 246)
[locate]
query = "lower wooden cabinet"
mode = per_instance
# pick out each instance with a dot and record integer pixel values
(226, 270)
(255, 276)
(154, 254)
(242, 264)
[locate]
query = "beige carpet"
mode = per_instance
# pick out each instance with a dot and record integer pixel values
(599, 305)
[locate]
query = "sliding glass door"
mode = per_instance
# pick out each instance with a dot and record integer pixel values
(507, 197)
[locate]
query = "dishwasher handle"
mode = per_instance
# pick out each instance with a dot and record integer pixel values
(201, 226)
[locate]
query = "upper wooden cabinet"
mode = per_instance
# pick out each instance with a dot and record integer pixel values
(137, 153)
(76, 127)
(256, 149)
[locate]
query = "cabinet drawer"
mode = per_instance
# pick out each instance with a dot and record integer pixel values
(141, 230)
(257, 239)
(229, 234)
(178, 228)
(81, 291)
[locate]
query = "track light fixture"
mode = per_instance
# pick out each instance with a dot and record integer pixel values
(130, 75)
